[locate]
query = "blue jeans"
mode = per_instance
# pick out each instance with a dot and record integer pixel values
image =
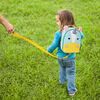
(67, 72)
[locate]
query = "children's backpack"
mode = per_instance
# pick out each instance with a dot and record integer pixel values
(71, 40)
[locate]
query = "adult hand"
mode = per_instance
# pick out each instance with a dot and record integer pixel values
(9, 27)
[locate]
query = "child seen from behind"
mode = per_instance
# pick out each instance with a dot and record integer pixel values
(67, 65)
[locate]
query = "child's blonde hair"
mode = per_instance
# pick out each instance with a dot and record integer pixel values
(66, 18)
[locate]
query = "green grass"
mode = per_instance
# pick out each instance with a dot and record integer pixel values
(26, 73)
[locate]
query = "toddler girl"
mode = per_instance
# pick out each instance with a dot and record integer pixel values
(67, 65)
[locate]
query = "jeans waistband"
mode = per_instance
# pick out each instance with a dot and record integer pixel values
(66, 59)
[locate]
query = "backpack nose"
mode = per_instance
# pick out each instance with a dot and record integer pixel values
(71, 47)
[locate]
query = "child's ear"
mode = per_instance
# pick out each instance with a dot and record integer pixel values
(66, 28)
(80, 29)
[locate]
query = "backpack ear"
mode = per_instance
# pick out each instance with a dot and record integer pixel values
(80, 29)
(66, 28)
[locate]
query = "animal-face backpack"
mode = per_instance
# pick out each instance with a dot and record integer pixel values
(71, 40)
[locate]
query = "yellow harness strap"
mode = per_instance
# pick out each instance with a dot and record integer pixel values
(35, 44)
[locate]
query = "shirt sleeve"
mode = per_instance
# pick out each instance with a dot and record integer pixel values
(82, 35)
(55, 43)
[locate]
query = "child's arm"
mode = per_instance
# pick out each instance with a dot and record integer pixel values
(55, 43)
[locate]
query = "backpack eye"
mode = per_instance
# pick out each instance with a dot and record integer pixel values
(68, 38)
(77, 38)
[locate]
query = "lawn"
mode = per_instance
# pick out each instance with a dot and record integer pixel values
(26, 73)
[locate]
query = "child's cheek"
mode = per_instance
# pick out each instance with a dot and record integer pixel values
(58, 24)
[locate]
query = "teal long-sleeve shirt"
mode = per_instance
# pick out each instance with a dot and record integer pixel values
(56, 44)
